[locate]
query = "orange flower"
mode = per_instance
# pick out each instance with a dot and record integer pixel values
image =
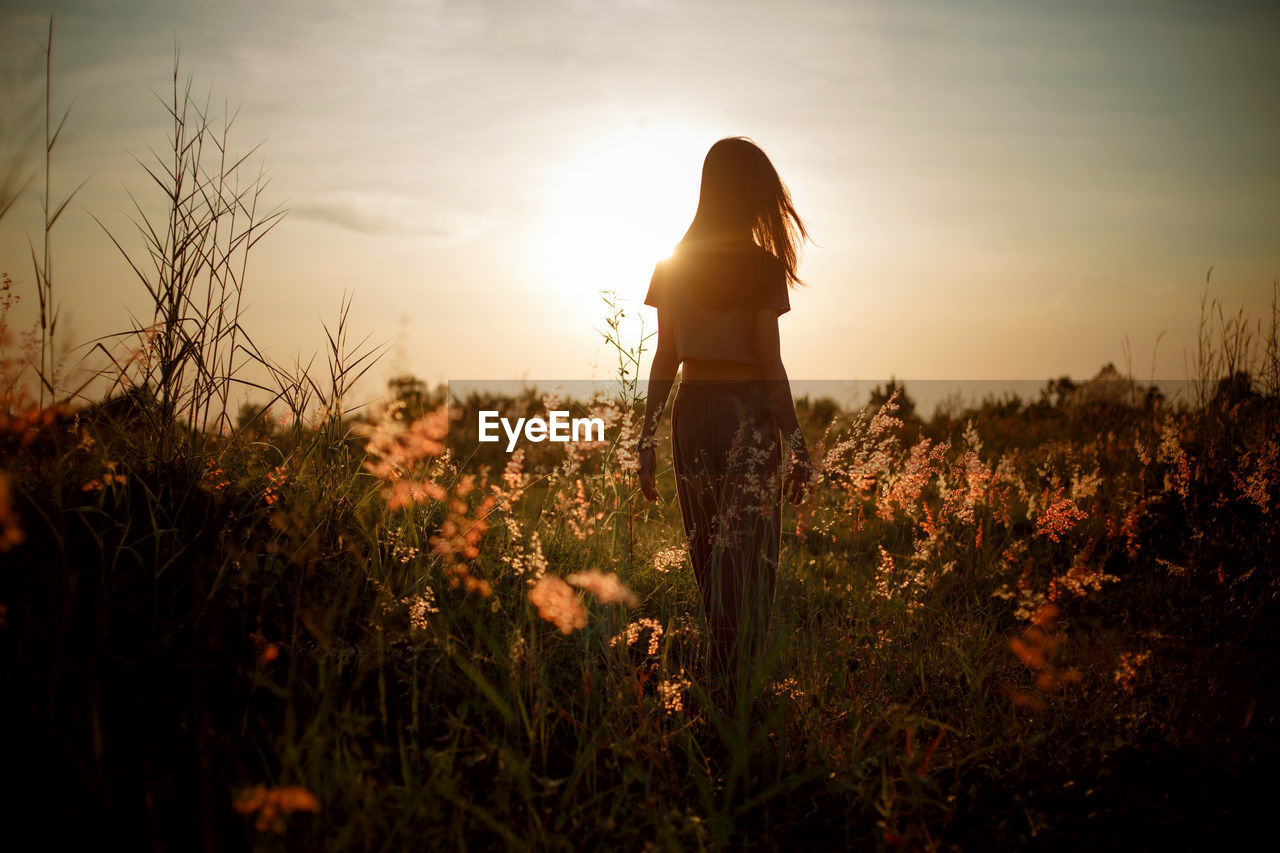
(557, 603)
(272, 804)
(11, 533)
(1059, 516)
(1037, 648)
(267, 652)
(607, 588)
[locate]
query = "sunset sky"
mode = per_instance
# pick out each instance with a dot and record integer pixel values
(996, 190)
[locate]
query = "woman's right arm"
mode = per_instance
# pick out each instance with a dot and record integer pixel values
(662, 375)
(778, 386)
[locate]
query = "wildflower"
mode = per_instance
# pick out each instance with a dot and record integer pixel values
(11, 534)
(1029, 602)
(1080, 579)
(682, 626)
(624, 455)
(407, 493)
(612, 414)
(577, 512)
(633, 631)
(531, 562)
(86, 442)
(669, 558)
(855, 460)
(108, 478)
(1127, 669)
(275, 479)
(401, 551)
(1086, 486)
(393, 451)
(884, 574)
(557, 603)
(1144, 455)
(607, 588)
(460, 534)
(907, 584)
(972, 478)
(420, 607)
(671, 692)
(1037, 648)
(788, 687)
(921, 466)
(1260, 473)
(513, 481)
(615, 416)
(470, 583)
(1178, 478)
(1130, 529)
(213, 480)
(554, 399)
(1059, 516)
(272, 804)
(267, 652)
(518, 650)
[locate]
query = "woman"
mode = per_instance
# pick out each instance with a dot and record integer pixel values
(718, 298)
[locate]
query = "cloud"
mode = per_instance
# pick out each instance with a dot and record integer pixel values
(389, 215)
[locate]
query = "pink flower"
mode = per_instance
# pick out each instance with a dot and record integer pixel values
(607, 588)
(558, 604)
(1059, 516)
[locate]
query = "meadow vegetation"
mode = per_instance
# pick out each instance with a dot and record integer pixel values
(1015, 624)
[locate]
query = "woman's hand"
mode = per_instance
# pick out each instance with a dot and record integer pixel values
(799, 476)
(649, 473)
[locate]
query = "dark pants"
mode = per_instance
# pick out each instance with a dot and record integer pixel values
(728, 461)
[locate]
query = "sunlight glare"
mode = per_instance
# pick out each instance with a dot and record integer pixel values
(613, 209)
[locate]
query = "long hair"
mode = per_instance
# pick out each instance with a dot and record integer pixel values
(742, 195)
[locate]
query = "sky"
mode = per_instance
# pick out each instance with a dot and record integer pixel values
(995, 190)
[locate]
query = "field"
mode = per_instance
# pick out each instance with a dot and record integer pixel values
(1018, 624)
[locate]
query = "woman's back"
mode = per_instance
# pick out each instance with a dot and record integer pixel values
(712, 291)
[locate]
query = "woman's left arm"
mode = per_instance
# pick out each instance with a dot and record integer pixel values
(778, 386)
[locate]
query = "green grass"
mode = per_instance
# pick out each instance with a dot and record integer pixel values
(137, 615)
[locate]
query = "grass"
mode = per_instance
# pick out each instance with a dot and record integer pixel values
(1019, 625)
(179, 631)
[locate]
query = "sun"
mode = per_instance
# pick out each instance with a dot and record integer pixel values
(611, 209)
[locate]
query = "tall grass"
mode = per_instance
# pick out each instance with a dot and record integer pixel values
(194, 271)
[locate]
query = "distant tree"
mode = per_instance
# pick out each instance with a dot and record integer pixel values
(1234, 389)
(819, 412)
(1154, 398)
(881, 394)
(1006, 405)
(416, 397)
(1108, 388)
(1058, 391)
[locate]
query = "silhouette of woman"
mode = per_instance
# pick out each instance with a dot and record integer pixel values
(719, 297)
